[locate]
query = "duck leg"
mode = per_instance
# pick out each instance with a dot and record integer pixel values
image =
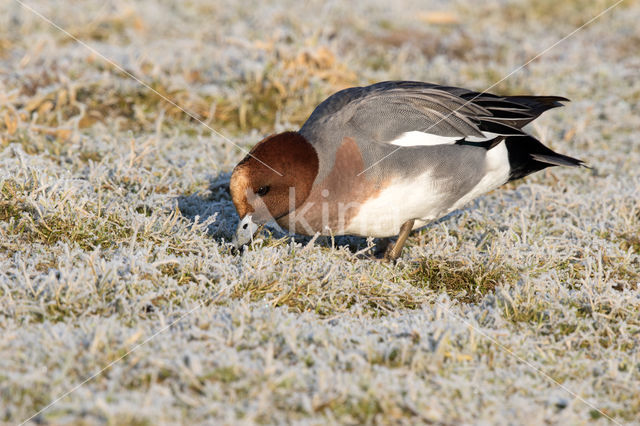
(395, 251)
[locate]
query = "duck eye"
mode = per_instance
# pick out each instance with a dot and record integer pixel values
(262, 191)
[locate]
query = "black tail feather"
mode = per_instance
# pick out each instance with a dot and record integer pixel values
(498, 127)
(541, 103)
(516, 111)
(558, 160)
(538, 101)
(508, 115)
(511, 114)
(528, 155)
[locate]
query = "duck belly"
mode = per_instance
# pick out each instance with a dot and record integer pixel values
(383, 215)
(426, 197)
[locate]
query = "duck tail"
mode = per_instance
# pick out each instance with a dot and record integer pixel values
(528, 155)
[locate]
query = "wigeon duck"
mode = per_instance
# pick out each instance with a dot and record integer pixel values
(388, 158)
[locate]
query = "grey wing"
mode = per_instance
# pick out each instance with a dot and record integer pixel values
(385, 111)
(388, 114)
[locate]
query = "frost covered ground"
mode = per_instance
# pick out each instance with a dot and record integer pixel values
(523, 308)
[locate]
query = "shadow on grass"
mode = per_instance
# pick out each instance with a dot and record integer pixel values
(215, 201)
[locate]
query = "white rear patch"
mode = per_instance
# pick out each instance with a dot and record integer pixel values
(422, 199)
(417, 138)
(496, 174)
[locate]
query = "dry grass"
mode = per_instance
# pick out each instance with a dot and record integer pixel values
(466, 283)
(115, 220)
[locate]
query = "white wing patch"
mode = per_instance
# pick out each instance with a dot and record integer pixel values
(417, 138)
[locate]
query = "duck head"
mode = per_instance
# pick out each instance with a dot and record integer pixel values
(271, 181)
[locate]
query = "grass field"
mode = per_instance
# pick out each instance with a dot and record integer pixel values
(523, 308)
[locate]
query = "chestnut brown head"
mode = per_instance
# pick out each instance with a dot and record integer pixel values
(273, 179)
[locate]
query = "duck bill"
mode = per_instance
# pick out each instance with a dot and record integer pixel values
(245, 232)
